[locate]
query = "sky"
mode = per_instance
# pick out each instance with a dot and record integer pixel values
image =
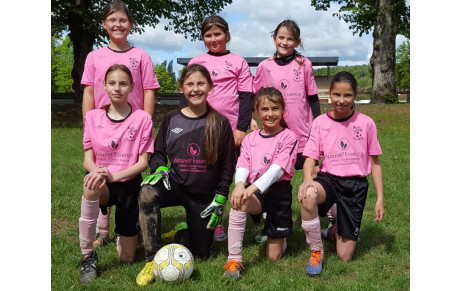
(251, 29)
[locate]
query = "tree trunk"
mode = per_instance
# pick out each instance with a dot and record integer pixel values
(384, 53)
(82, 40)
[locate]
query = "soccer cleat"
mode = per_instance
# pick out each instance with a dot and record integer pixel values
(315, 263)
(219, 233)
(169, 236)
(101, 240)
(261, 237)
(233, 269)
(88, 267)
(330, 233)
(146, 276)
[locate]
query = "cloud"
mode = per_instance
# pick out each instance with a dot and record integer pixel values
(251, 28)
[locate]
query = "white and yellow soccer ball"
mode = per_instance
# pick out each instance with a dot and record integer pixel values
(173, 262)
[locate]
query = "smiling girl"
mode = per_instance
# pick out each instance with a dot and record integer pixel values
(346, 140)
(198, 143)
(266, 163)
(117, 142)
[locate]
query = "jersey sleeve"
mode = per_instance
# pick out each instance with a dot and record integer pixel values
(89, 71)
(287, 154)
(147, 138)
(373, 142)
(310, 83)
(312, 148)
(86, 131)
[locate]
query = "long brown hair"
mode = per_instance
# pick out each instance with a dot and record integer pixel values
(273, 95)
(215, 122)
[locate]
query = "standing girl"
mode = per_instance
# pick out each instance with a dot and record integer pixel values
(346, 140)
(292, 74)
(198, 142)
(117, 141)
(266, 162)
(232, 94)
(117, 22)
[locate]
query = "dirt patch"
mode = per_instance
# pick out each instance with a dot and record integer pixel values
(61, 226)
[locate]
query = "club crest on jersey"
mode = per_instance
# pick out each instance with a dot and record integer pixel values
(343, 144)
(215, 73)
(266, 159)
(228, 65)
(131, 133)
(283, 85)
(297, 75)
(134, 63)
(358, 132)
(114, 144)
(193, 150)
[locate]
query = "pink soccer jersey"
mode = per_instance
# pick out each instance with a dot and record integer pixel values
(117, 144)
(230, 73)
(259, 152)
(137, 60)
(295, 82)
(344, 145)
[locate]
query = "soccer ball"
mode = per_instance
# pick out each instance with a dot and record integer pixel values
(173, 262)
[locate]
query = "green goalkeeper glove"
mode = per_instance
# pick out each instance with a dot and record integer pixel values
(160, 173)
(216, 210)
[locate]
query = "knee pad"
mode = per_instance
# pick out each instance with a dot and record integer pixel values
(148, 194)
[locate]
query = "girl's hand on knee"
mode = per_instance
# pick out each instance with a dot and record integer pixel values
(92, 179)
(303, 189)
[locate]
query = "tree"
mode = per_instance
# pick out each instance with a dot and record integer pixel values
(82, 18)
(403, 65)
(61, 64)
(168, 82)
(386, 18)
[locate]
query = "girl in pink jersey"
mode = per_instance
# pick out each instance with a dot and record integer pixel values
(117, 142)
(292, 74)
(266, 163)
(346, 140)
(117, 21)
(232, 94)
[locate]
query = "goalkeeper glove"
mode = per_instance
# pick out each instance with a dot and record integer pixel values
(160, 173)
(216, 210)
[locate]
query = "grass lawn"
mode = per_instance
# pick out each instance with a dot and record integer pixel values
(381, 260)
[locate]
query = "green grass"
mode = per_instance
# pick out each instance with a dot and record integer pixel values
(381, 260)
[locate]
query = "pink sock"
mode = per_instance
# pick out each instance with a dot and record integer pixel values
(312, 229)
(236, 227)
(103, 222)
(332, 213)
(87, 224)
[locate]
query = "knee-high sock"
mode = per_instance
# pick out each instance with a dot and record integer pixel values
(332, 213)
(103, 222)
(87, 224)
(236, 228)
(312, 229)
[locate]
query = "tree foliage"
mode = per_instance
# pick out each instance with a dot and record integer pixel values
(403, 65)
(61, 64)
(82, 18)
(361, 14)
(386, 19)
(165, 78)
